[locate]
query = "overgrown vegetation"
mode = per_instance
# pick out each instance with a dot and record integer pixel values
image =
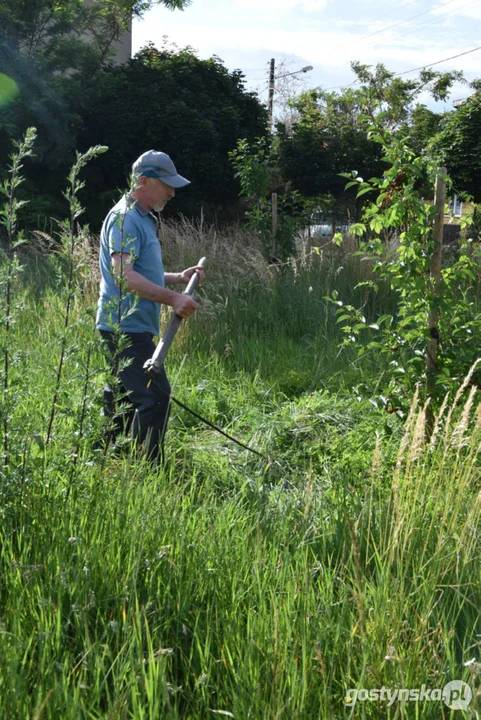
(399, 212)
(223, 584)
(58, 74)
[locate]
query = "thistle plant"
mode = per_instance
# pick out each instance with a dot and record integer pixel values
(14, 237)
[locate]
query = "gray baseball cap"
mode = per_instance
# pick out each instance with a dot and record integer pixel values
(159, 165)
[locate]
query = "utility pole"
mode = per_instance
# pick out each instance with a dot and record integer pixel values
(270, 103)
(272, 80)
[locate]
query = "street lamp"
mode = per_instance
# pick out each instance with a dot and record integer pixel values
(296, 72)
(272, 79)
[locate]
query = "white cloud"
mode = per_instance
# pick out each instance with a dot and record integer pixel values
(248, 42)
(277, 6)
(335, 50)
(459, 9)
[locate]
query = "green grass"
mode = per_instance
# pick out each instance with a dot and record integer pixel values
(224, 583)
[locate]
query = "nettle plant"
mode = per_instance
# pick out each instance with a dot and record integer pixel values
(396, 239)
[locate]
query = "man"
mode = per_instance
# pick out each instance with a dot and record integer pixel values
(132, 291)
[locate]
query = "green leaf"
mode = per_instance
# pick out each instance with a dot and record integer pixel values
(364, 191)
(357, 229)
(376, 223)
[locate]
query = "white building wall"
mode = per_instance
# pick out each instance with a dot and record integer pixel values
(123, 47)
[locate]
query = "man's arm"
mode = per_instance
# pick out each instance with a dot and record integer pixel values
(182, 305)
(184, 277)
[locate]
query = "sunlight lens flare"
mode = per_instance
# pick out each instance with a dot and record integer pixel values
(9, 89)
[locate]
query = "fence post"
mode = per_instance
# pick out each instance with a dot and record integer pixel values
(274, 224)
(435, 276)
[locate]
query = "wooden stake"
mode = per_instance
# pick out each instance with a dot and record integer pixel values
(433, 317)
(274, 224)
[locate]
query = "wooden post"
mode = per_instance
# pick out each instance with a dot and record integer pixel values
(274, 224)
(433, 317)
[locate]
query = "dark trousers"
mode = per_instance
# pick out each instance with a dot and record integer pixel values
(145, 403)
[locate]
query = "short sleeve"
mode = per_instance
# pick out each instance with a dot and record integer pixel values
(124, 235)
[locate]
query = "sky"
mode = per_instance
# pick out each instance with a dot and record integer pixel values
(327, 34)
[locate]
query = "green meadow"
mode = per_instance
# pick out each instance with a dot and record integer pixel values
(226, 584)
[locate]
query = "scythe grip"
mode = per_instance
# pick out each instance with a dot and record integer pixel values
(153, 366)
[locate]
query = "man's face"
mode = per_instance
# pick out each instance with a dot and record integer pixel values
(156, 193)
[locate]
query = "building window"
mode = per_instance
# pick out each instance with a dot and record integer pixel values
(455, 205)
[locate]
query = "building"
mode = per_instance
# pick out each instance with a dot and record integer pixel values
(122, 47)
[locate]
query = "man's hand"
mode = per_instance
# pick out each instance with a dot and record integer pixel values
(184, 305)
(187, 274)
(183, 278)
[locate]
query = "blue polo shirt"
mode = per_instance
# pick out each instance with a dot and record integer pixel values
(129, 228)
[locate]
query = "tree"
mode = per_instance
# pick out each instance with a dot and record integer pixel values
(256, 166)
(63, 35)
(422, 127)
(289, 83)
(53, 51)
(330, 136)
(327, 140)
(193, 109)
(393, 100)
(429, 336)
(457, 146)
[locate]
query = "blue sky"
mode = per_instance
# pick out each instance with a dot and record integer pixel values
(326, 34)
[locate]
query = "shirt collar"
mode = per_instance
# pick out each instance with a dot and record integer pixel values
(140, 209)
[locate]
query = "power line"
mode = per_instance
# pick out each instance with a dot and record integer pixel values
(406, 72)
(453, 57)
(413, 17)
(423, 67)
(441, 17)
(402, 22)
(391, 12)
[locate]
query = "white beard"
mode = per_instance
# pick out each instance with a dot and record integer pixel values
(158, 207)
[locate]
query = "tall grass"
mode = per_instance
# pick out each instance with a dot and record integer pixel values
(220, 585)
(177, 594)
(10, 270)
(273, 319)
(223, 585)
